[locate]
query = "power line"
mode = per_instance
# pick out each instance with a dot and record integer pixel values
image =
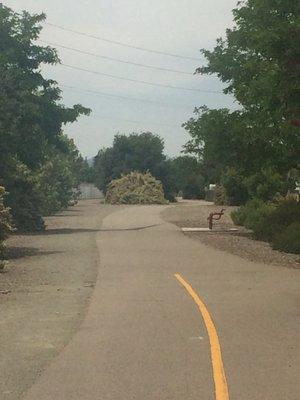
(125, 97)
(116, 59)
(135, 121)
(138, 81)
(123, 44)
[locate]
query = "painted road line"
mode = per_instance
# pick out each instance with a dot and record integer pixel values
(221, 388)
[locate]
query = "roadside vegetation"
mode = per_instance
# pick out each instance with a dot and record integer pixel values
(135, 188)
(144, 152)
(39, 165)
(277, 222)
(252, 153)
(5, 226)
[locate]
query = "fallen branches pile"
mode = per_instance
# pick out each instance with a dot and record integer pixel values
(135, 188)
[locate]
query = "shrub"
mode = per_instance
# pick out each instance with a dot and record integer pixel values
(267, 220)
(266, 184)
(23, 198)
(257, 222)
(135, 188)
(236, 190)
(220, 196)
(289, 239)
(240, 215)
(5, 225)
(286, 212)
(282, 215)
(253, 216)
(56, 183)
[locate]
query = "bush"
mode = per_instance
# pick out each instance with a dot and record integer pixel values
(286, 212)
(282, 215)
(253, 216)
(235, 188)
(289, 239)
(23, 198)
(268, 220)
(56, 183)
(257, 222)
(266, 184)
(5, 225)
(240, 215)
(135, 188)
(220, 196)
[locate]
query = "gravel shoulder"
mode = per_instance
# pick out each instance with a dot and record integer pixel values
(45, 291)
(240, 243)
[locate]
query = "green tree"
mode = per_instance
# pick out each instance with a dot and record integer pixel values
(136, 152)
(86, 171)
(259, 60)
(32, 116)
(188, 177)
(220, 139)
(145, 152)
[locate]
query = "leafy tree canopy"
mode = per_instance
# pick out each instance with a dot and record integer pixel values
(259, 60)
(32, 117)
(136, 152)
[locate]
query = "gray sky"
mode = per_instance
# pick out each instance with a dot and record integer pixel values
(173, 26)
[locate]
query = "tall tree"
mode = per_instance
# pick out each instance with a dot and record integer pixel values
(260, 61)
(188, 176)
(31, 117)
(136, 152)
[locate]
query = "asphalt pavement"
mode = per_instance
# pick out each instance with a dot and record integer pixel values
(171, 318)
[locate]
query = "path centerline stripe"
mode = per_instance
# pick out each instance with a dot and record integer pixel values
(221, 388)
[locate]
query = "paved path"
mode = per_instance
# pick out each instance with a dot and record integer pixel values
(50, 279)
(144, 337)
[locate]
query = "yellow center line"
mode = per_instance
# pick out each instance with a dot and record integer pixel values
(221, 388)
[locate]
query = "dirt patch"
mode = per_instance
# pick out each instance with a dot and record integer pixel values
(241, 243)
(44, 292)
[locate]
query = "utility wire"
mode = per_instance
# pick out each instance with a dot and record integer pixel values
(138, 81)
(116, 59)
(125, 97)
(123, 44)
(135, 121)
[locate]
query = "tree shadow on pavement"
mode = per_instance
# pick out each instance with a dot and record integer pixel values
(69, 231)
(65, 231)
(14, 252)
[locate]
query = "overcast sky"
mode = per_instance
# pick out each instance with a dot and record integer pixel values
(172, 26)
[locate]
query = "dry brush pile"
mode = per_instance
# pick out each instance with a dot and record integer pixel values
(135, 188)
